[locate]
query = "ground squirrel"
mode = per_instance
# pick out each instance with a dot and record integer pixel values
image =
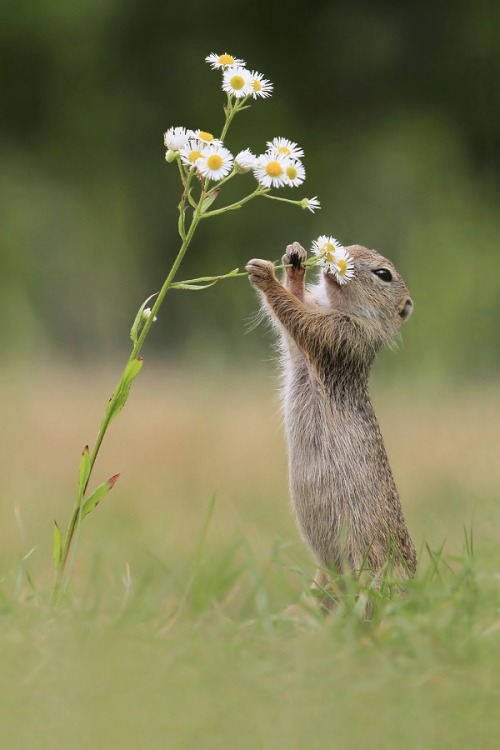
(342, 489)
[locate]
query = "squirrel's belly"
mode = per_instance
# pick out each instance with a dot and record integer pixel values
(333, 469)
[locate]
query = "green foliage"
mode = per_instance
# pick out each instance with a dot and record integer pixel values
(97, 495)
(58, 544)
(84, 472)
(119, 399)
(240, 645)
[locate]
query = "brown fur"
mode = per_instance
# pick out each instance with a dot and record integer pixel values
(342, 489)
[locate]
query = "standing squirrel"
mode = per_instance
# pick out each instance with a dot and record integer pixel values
(342, 488)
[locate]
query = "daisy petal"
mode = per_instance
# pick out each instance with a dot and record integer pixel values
(285, 147)
(245, 160)
(223, 61)
(270, 170)
(312, 204)
(215, 163)
(295, 173)
(176, 138)
(237, 82)
(261, 86)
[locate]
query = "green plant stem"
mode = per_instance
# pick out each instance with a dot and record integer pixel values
(222, 182)
(282, 200)
(186, 238)
(76, 517)
(234, 275)
(233, 206)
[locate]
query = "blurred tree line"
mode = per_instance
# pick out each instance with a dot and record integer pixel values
(395, 104)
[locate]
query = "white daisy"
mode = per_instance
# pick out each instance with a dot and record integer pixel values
(238, 82)
(215, 163)
(192, 152)
(207, 138)
(312, 204)
(176, 138)
(344, 270)
(328, 250)
(223, 61)
(295, 173)
(285, 147)
(261, 86)
(270, 170)
(245, 160)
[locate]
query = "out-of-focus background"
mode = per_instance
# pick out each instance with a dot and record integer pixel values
(395, 105)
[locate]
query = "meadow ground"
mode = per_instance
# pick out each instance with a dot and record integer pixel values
(180, 632)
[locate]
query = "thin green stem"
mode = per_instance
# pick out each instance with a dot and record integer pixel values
(232, 109)
(76, 516)
(74, 524)
(282, 200)
(237, 274)
(234, 206)
(230, 113)
(222, 182)
(181, 171)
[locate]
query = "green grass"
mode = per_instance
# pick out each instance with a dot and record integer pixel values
(191, 624)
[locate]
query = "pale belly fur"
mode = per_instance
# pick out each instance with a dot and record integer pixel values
(334, 452)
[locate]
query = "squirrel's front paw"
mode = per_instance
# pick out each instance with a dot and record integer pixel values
(295, 255)
(260, 272)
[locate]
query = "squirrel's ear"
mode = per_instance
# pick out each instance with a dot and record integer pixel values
(406, 310)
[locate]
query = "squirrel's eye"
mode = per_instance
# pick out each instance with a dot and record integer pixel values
(383, 273)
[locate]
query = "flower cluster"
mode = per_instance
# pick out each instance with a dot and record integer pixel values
(334, 258)
(198, 148)
(237, 81)
(280, 166)
(199, 151)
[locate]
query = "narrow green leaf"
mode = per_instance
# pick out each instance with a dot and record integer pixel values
(57, 544)
(136, 325)
(180, 228)
(195, 287)
(84, 472)
(98, 494)
(208, 201)
(131, 372)
(234, 272)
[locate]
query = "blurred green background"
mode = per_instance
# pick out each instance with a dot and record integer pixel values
(395, 104)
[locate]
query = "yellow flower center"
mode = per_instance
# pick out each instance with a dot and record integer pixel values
(256, 85)
(205, 136)
(237, 83)
(284, 150)
(193, 156)
(274, 169)
(342, 267)
(226, 60)
(291, 172)
(329, 251)
(214, 162)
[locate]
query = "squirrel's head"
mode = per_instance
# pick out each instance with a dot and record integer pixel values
(377, 294)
